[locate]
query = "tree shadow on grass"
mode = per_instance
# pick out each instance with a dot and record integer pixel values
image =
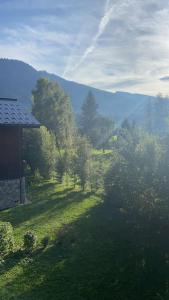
(19, 256)
(45, 200)
(98, 258)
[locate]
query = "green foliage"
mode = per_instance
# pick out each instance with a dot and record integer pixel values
(53, 109)
(64, 164)
(104, 130)
(40, 151)
(30, 241)
(37, 176)
(134, 175)
(101, 161)
(60, 167)
(97, 128)
(89, 118)
(82, 161)
(6, 239)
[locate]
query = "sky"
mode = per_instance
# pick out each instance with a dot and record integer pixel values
(115, 45)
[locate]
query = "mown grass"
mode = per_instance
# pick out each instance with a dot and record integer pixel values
(97, 257)
(52, 207)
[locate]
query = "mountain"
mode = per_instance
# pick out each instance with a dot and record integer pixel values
(18, 79)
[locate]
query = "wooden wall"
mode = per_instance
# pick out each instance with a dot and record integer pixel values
(10, 152)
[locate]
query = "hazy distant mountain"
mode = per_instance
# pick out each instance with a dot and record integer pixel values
(17, 79)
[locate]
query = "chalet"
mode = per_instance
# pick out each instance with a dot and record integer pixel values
(13, 118)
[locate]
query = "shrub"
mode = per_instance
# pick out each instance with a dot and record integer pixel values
(30, 240)
(45, 241)
(6, 238)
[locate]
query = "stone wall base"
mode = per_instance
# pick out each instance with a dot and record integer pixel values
(12, 193)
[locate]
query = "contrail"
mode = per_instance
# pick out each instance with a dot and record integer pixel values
(109, 9)
(107, 5)
(102, 25)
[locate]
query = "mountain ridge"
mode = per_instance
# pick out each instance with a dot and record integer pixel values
(18, 79)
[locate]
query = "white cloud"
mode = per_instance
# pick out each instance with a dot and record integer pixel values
(113, 44)
(135, 45)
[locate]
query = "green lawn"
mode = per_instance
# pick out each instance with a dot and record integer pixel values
(52, 207)
(97, 257)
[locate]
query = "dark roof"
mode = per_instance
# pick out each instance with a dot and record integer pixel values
(12, 113)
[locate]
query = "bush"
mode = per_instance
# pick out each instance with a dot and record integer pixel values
(6, 239)
(30, 240)
(45, 241)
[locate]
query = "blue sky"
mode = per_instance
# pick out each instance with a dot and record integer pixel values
(109, 44)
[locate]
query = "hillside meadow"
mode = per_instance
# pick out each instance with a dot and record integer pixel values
(92, 252)
(55, 210)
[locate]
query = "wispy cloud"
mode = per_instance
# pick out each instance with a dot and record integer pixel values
(131, 46)
(111, 44)
(37, 46)
(102, 25)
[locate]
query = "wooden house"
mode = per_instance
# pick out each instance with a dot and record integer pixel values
(13, 118)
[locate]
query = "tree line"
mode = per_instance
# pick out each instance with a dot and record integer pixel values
(62, 148)
(65, 147)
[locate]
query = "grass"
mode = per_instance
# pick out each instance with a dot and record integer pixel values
(52, 207)
(97, 256)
